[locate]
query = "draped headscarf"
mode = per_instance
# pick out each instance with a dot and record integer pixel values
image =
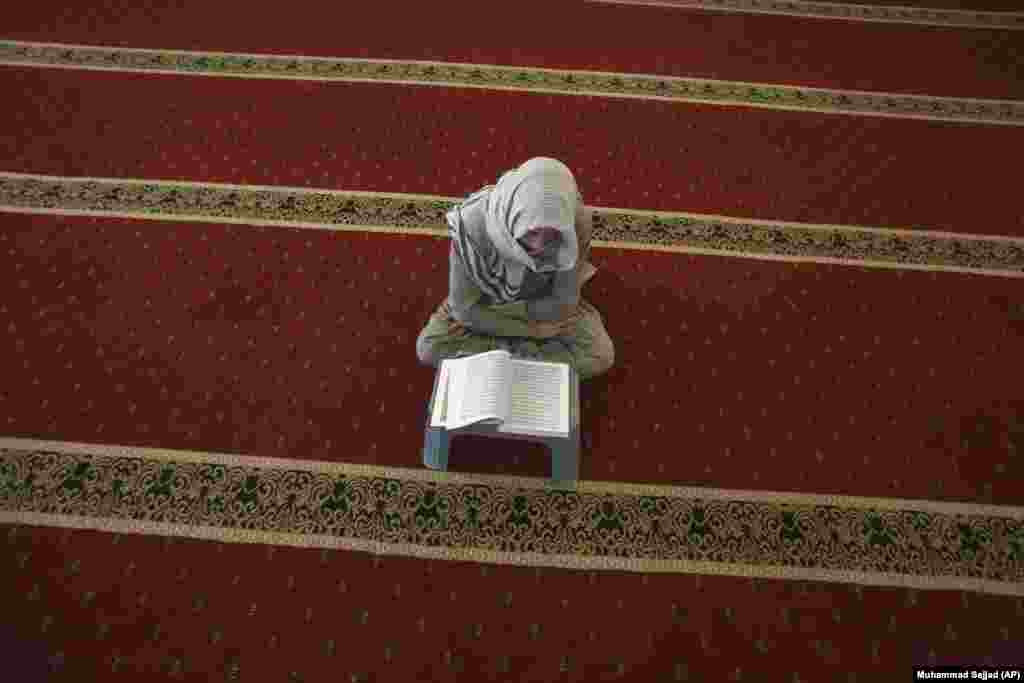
(540, 193)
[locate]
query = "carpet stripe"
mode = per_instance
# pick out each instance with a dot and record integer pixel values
(1004, 251)
(881, 14)
(600, 244)
(532, 483)
(638, 565)
(198, 218)
(514, 79)
(449, 551)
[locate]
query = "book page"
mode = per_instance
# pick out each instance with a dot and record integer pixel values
(440, 412)
(478, 388)
(540, 398)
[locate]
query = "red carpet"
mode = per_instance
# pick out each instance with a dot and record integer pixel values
(294, 343)
(763, 163)
(890, 373)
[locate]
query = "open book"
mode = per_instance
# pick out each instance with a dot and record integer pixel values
(520, 396)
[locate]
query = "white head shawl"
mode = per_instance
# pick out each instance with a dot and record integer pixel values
(540, 193)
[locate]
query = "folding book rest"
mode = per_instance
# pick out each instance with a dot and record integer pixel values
(565, 451)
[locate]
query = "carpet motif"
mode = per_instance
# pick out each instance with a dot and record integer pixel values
(534, 79)
(334, 209)
(492, 517)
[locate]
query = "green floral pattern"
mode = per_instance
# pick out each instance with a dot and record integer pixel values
(493, 517)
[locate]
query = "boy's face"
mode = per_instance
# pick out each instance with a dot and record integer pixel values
(538, 240)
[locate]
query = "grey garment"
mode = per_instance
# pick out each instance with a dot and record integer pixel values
(486, 227)
(588, 348)
(544, 297)
(545, 300)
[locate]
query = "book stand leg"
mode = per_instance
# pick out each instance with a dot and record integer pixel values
(435, 448)
(565, 461)
(565, 458)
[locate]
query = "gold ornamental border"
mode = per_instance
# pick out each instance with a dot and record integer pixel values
(611, 526)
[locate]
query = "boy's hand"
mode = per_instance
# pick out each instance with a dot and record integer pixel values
(558, 328)
(544, 330)
(456, 329)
